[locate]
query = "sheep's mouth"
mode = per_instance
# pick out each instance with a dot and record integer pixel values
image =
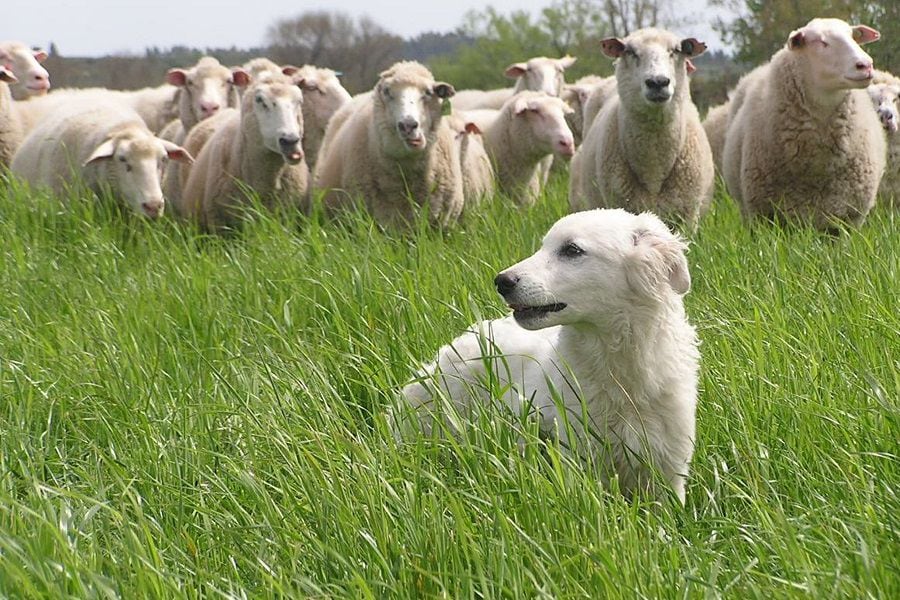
(658, 97)
(863, 80)
(524, 312)
(38, 87)
(293, 158)
(415, 142)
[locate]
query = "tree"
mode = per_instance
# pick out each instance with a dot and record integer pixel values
(359, 47)
(625, 16)
(761, 27)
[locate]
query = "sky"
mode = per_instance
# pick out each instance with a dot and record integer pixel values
(99, 27)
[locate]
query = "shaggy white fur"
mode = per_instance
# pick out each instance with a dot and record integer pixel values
(598, 345)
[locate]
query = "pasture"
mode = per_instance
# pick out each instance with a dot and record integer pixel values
(184, 416)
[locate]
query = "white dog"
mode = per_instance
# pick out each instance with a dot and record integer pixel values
(598, 346)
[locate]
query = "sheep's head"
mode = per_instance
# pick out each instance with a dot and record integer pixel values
(540, 74)
(277, 104)
(133, 160)
(33, 79)
(411, 102)
(207, 87)
(546, 117)
(652, 62)
(832, 53)
(886, 99)
(323, 93)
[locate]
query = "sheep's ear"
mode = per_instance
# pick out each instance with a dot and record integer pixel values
(516, 70)
(802, 37)
(40, 56)
(612, 47)
(565, 62)
(472, 128)
(521, 106)
(692, 47)
(689, 65)
(176, 152)
(863, 34)
(289, 70)
(240, 77)
(443, 90)
(102, 152)
(307, 85)
(657, 259)
(7, 75)
(176, 77)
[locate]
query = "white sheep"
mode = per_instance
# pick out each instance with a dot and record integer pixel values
(106, 145)
(253, 151)
(10, 129)
(576, 95)
(33, 79)
(477, 171)
(600, 93)
(539, 74)
(647, 150)
(530, 127)
(392, 149)
(805, 145)
(323, 95)
(885, 95)
(715, 124)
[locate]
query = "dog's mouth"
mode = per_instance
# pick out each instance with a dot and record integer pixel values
(520, 311)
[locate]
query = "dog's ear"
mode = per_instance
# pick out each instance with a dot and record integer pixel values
(656, 260)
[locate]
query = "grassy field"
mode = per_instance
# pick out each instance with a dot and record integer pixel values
(184, 416)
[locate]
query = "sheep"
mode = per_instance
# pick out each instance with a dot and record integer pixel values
(885, 95)
(259, 66)
(601, 93)
(33, 79)
(646, 150)
(106, 145)
(804, 145)
(715, 124)
(255, 150)
(323, 95)
(203, 90)
(530, 127)
(10, 129)
(392, 149)
(477, 171)
(540, 74)
(576, 95)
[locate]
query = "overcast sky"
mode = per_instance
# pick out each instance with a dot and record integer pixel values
(98, 27)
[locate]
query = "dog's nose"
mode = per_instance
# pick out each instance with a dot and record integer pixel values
(505, 283)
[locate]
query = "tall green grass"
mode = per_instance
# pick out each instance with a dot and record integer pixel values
(187, 416)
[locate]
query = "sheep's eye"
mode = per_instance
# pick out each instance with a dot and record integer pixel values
(629, 52)
(127, 167)
(571, 250)
(429, 93)
(261, 101)
(386, 92)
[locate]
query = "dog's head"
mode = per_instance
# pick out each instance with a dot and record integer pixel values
(594, 266)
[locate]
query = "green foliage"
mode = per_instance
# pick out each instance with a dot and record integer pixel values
(762, 26)
(191, 417)
(566, 27)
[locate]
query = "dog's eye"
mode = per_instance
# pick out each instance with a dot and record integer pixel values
(571, 250)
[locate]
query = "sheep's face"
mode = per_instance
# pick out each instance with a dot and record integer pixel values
(279, 113)
(412, 107)
(831, 49)
(33, 79)
(135, 165)
(323, 93)
(546, 116)
(886, 99)
(593, 267)
(209, 87)
(541, 74)
(653, 63)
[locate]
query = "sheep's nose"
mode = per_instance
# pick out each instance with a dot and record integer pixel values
(209, 108)
(567, 146)
(407, 125)
(505, 283)
(153, 208)
(288, 141)
(864, 65)
(657, 83)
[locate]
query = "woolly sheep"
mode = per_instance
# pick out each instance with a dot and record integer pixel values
(530, 127)
(323, 95)
(106, 145)
(10, 129)
(539, 74)
(33, 79)
(477, 171)
(646, 150)
(715, 124)
(392, 149)
(576, 95)
(600, 94)
(255, 150)
(805, 144)
(885, 95)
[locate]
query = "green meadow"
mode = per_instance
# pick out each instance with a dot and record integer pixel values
(187, 416)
